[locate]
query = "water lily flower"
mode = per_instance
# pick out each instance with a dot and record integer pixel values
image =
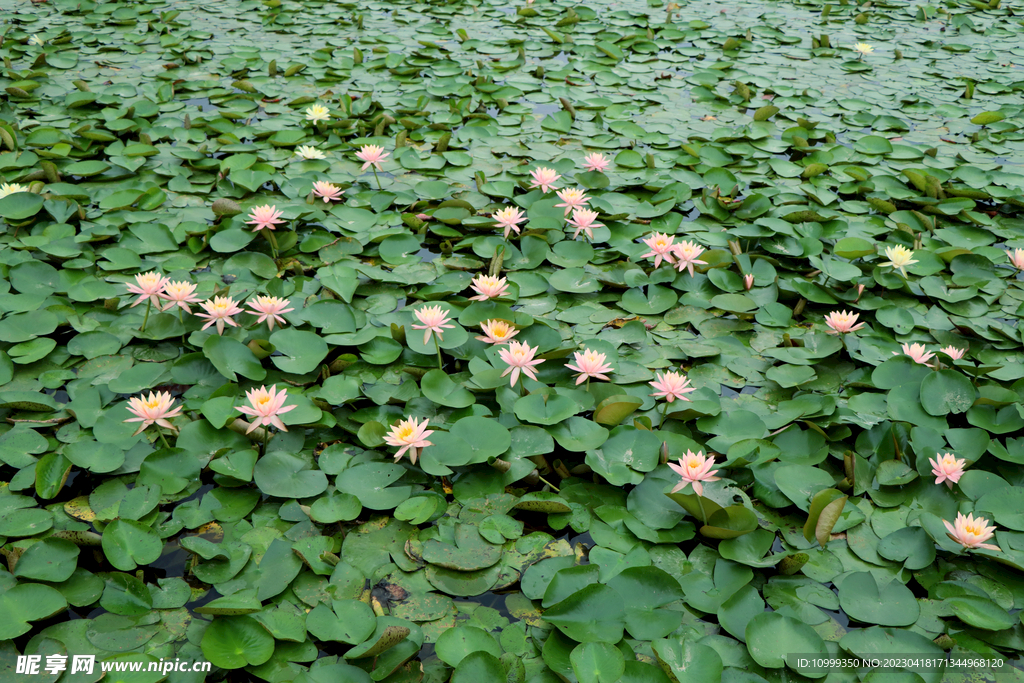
(11, 188)
(148, 288)
(860, 290)
(687, 253)
(329, 192)
(1016, 256)
(595, 162)
(694, 468)
(947, 468)
(842, 322)
(899, 258)
(671, 385)
(488, 287)
(434, 319)
(36, 40)
(266, 406)
(317, 113)
(372, 155)
(409, 435)
(917, 352)
(585, 220)
(863, 48)
(309, 152)
(179, 295)
(520, 359)
(589, 364)
(509, 218)
(270, 308)
(661, 246)
(953, 352)
(572, 198)
(497, 332)
(748, 281)
(544, 178)
(219, 311)
(265, 216)
(971, 532)
(153, 410)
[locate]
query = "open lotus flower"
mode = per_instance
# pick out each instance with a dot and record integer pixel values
(509, 218)
(265, 216)
(180, 295)
(434, 319)
(219, 311)
(1016, 256)
(687, 253)
(488, 287)
(266, 406)
(947, 468)
(899, 258)
(971, 532)
(953, 352)
(409, 435)
(148, 286)
(327, 191)
(584, 220)
(671, 385)
(317, 113)
(917, 352)
(595, 162)
(572, 198)
(11, 188)
(661, 246)
(309, 152)
(371, 155)
(520, 359)
(153, 410)
(863, 48)
(497, 332)
(544, 178)
(842, 322)
(269, 308)
(589, 364)
(694, 468)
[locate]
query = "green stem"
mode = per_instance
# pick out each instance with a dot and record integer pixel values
(375, 177)
(548, 483)
(266, 438)
(664, 414)
(149, 305)
(588, 383)
(162, 438)
(438, 347)
(522, 384)
(703, 514)
(273, 242)
(180, 319)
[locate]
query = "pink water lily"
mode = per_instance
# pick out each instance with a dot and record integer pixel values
(509, 218)
(572, 198)
(917, 352)
(661, 246)
(153, 410)
(148, 286)
(179, 295)
(266, 406)
(372, 155)
(589, 364)
(947, 468)
(842, 322)
(265, 216)
(1016, 258)
(327, 191)
(409, 435)
(497, 332)
(953, 352)
(971, 532)
(269, 308)
(520, 359)
(671, 386)
(584, 220)
(434, 319)
(694, 468)
(488, 287)
(544, 178)
(595, 162)
(219, 311)
(748, 281)
(687, 253)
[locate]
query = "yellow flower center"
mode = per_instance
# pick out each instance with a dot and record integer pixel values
(405, 431)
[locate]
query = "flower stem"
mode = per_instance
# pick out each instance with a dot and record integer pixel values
(703, 514)
(664, 414)
(548, 483)
(149, 305)
(375, 177)
(266, 438)
(273, 242)
(522, 385)
(438, 347)
(162, 438)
